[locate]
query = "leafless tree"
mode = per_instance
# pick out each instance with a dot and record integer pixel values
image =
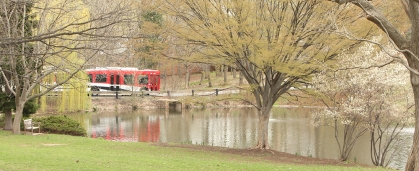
(65, 37)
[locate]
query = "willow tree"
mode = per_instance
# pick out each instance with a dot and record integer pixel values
(66, 37)
(276, 44)
(407, 45)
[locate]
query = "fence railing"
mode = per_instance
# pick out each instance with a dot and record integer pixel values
(172, 93)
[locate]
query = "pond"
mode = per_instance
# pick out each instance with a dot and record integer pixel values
(290, 130)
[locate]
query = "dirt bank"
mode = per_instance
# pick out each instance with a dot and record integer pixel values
(149, 102)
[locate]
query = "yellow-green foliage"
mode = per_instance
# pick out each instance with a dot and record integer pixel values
(70, 97)
(287, 36)
(74, 96)
(56, 14)
(61, 16)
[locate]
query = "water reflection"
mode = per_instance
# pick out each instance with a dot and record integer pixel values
(290, 130)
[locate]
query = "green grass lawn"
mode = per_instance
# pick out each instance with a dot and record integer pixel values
(61, 152)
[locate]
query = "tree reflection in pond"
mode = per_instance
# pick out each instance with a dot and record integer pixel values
(290, 129)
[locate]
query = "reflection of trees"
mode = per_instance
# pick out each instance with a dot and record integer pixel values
(292, 132)
(175, 128)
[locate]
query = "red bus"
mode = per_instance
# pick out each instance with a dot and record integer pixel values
(123, 79)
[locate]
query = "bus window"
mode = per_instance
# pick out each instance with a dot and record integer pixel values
(101, 78)
(128, 79)
(142, 79)
(90, 77)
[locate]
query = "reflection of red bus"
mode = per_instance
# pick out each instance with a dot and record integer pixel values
(124, 79)
(151, 131)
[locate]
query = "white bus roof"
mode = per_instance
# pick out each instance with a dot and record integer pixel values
(112, 68)
(118, 68)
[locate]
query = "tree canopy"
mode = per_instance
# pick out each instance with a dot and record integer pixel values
(276, 44)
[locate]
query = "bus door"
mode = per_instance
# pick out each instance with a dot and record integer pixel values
(115, 81)
(151, 82)
(157, 83)
(112, 82)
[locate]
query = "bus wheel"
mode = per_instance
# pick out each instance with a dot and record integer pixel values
(95, 89)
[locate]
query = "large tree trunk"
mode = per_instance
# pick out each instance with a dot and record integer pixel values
(8, 117)
(18, 117)
(263, 129)
(413, 160)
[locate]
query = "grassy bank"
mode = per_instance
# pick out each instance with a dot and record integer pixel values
(60, 152)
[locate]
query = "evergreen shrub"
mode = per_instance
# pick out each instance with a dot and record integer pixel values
(2, 118)
(61, 125)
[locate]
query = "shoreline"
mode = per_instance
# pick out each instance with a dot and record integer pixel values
(148, 103)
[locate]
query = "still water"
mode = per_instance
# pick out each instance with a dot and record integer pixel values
(290, 131)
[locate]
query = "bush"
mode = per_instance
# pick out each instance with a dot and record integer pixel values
(30, 108)
(61, 125)
(2, 117)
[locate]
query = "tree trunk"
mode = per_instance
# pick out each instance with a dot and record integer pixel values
(240, 78)
(8, 121)
(173, 78)
(233, 70)
(8, 117)
(209, 79)
(263, 129)
(218, 71)
(187, 77)
(413, 160)
(179, 76)
(18, 117)
(165, 79)
(202, 77)
(208, 71)
(225, 74)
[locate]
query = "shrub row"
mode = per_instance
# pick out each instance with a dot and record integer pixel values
(56, 125)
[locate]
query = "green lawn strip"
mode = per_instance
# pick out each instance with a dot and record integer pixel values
(61, 152)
